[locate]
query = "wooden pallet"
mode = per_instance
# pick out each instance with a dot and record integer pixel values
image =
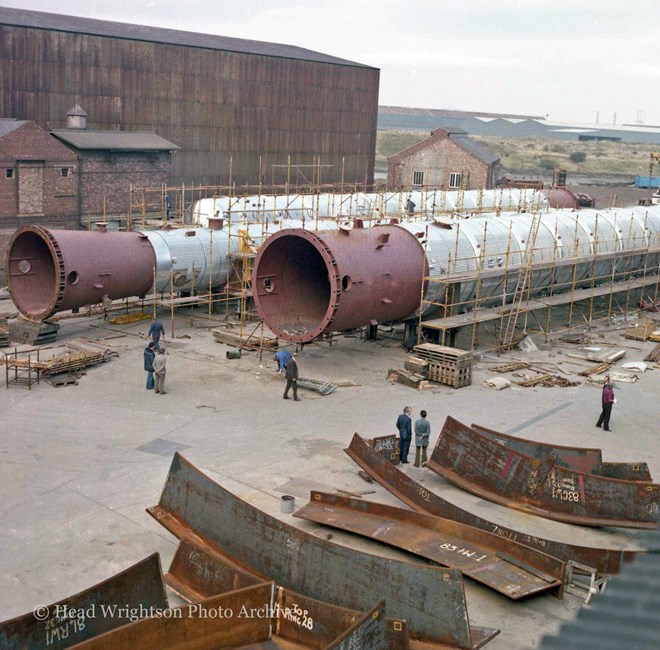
(643, 330)
(450, 376)
(415, 364)
(406, 378)
(318, 385)
(449, 366)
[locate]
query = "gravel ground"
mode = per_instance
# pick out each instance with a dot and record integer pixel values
(617, 195)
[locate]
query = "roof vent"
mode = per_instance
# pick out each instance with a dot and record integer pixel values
(76, 118)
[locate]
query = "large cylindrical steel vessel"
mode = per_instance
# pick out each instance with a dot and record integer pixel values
(49, 271)
(192, 260)
(306, 284)
(53, 270)
(584, 236)
(297, 272)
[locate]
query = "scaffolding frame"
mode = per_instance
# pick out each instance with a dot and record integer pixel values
(517, 306)
(516, 310)
(22, 371)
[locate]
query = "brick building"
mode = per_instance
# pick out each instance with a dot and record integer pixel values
(447, 160)
(110, 162)
(74, 176)
(38, 176)
(38, 181)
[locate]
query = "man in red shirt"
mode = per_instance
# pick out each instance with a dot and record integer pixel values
(608, 400)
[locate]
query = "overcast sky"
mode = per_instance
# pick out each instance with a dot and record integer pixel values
(565, 59)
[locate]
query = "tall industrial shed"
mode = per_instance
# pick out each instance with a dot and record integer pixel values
(242, 111)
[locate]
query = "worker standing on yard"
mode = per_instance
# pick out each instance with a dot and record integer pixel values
(410, 207)
(608, 400)
(404, 425)
(422, 434)
(155, 332)
(149, 355)
(159, 372)
(292, 377)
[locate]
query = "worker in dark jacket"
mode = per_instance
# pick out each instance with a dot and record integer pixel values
(149, 354)
(155, 332)
(292, 377)
(608, 400)
(404, 425)
(410, 207)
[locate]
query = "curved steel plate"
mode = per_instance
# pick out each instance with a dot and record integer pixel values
(581, 459)
(251, 618)
(137, 591)
(485, 558)
(503, 475)
(430, 599)
(201, 571)
(423, 500)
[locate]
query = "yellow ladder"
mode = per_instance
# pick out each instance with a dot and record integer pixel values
(523, 286)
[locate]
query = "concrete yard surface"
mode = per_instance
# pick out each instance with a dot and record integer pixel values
(79, 464)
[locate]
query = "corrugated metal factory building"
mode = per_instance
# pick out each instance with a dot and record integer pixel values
(279, 112)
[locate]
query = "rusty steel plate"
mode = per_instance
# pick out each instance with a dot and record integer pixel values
(484, 557)
(137, 591)
(581, 459)
(199, 571)
(430, 599)
(388, 447)
(420, 498)
(249, 618)
(505, 476)
(206, 572)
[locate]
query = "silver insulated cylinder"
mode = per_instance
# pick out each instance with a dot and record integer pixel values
(191, 259)
(596, 244)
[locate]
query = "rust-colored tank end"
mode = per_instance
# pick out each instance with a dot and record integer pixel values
(561, 198)
(53, 270)
(32, 263)
(310, 283)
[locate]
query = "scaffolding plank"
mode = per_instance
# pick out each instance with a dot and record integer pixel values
(183, 301)
(494, 313)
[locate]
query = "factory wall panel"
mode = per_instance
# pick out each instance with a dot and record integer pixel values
(212, 103)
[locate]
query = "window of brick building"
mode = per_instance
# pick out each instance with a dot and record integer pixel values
(9, 173)
(418, 178)
(66, 171)
(455, 180)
